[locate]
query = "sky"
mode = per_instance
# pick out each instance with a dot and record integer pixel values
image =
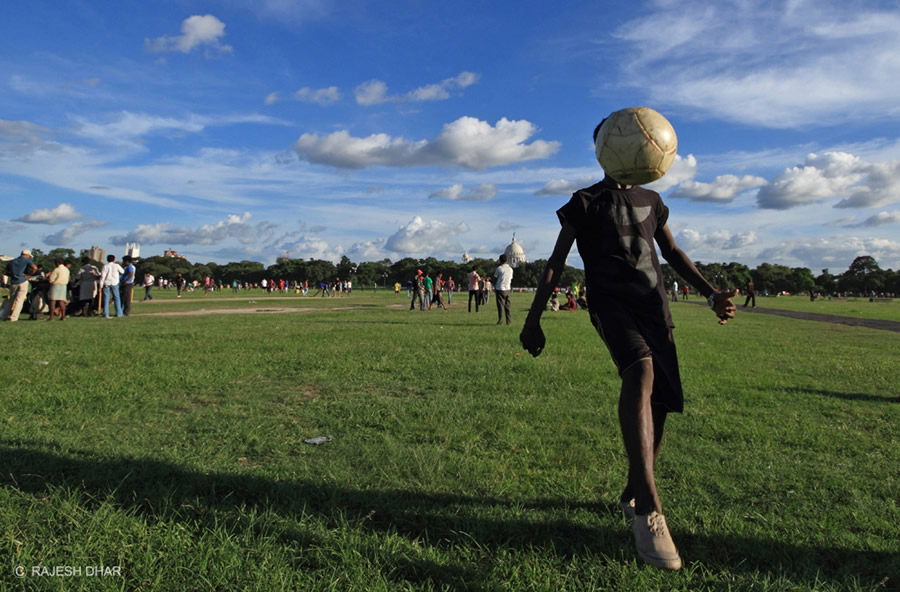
(234, 129)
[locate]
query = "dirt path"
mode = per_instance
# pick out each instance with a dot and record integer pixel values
(822, 318)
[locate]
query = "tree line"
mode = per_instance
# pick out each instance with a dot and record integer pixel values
(864, 275)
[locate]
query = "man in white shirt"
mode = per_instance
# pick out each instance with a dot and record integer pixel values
(148, 285)
(503, 285)
(109, 280)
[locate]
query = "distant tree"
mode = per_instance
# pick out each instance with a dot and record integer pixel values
(826, 283)
(863, 276)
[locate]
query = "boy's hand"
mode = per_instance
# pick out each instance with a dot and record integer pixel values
(723, 306)
(533, 340)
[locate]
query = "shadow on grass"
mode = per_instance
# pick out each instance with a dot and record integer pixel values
(164, 490)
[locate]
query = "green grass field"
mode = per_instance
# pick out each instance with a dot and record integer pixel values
(171, 446)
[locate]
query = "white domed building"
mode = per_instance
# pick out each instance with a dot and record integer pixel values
(515, 256)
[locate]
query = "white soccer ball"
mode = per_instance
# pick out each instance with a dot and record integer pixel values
(636, 145)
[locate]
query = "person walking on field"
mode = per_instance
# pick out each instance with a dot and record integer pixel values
(751, 295)
(474, 288)
(614, 226)
(503, 275)
(19, 270)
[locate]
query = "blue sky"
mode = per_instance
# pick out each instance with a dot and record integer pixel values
(234, 130)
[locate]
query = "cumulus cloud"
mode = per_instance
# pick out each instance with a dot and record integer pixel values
(456, 192)
(723, 189)
(506, 226)
(233, 227)
(67, 235)
(835, 253)
(833, 174)
(691, 240)
(683, 170)
(64, 212)
(791, 64)
(879, 219)
(321, 96)
(466, 142)
(196, 31)
(370, 250)
(563, 187)
(314, 247)
(375, 92)
(419, 236)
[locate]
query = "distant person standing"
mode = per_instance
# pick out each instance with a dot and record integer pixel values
(474, 288)
(685, 291)
(19, 270)
(180, 284)
(127, 284)
(88, 276)
(418, 292)
(503, 274)
(751, 295)
(59, 284)
(429, 291)
(109, 280)
(451, 285)
(675, 291)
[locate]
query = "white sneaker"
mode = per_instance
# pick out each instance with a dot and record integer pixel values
(653, 541)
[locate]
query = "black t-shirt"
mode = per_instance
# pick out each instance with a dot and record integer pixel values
(614, 230)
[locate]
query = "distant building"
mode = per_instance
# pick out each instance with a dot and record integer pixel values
(466, 258)
(133, 250)
(170, 253)
(94, 253)
(515, 256)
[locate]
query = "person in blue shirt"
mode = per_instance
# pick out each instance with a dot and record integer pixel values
(19, 270)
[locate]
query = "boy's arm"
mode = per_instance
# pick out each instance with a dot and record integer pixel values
(532, 337)
(683, 266)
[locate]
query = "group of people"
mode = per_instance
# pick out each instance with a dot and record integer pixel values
(65, 291)
(429, 292)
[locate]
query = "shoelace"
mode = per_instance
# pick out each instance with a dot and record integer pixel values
(656, 524)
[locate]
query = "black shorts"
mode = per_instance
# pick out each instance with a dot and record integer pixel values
(631, 337)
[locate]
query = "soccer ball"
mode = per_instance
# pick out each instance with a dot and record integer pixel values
(636, 145)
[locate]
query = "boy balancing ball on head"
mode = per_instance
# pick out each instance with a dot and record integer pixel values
(614, 224)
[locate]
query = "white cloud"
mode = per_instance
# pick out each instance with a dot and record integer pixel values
(313, 247)
(879, 219)
(375, 92)
(801, 65)
(483, 192)
(692, 240)
(419, 237)
(723, 189)
(835, 253)
(830, 175)
(196, 31)
(506, 226)
(556, 187)
(272, 98)
(65, 236)
(64, 212)
(233, 227)
(682, 170)
(321, 96)
(466, 142)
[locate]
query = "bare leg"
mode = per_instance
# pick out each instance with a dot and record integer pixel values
(642, 427)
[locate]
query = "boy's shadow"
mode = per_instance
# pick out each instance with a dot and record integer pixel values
(164, 490)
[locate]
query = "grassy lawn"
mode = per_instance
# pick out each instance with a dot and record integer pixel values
(850, 307)
(172, 447)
